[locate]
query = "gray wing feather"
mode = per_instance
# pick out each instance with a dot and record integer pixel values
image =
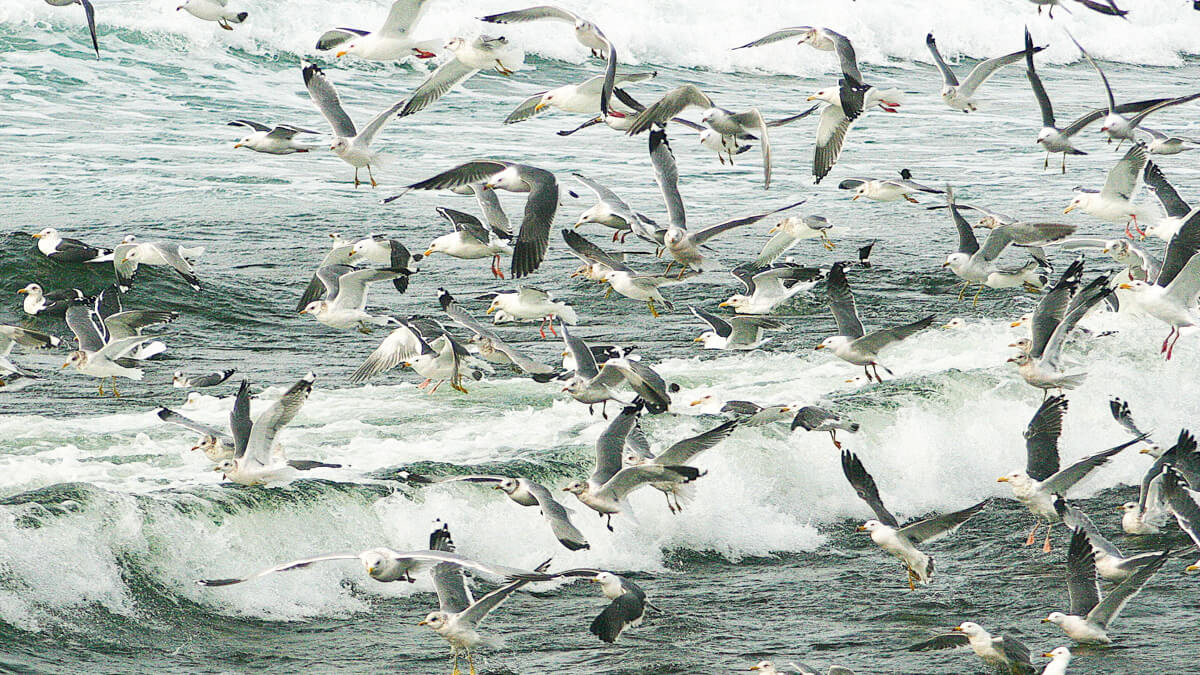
(1123, 177)
(85, 323)
(531, 14)
(1081, 575)
(832, 126)
(982, 71)
(1180, 250)
(168, 415)
(666, 174)
(778, 36)
(937, 527)
(876, 340)
(966, 234)
(1062, 481)
(671, 104)
(948, 78)
(1041, 438)
(610, 444)
(864, 485)
(1108, 608)
(368, 133)
(682, 452)
(713, 230)
(325, 96)
(1172, 203)
(270, 422)
(841, 303)
(239, 420)
(442, 80)
(585, 362)
(557, 516)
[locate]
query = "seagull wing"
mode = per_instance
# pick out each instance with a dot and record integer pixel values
(631, 478)
(607, 196)
(1186, 285)
(1052, 308)
(1107, 89)
(402, 344)
(995, 243)
(946, 641)
(1041, 438)
(590, 252)
(489, 204)
(446, 77)
(172, 417)
(609, 445)
(1172, 203)
(982, 71)
(556, 515)
(402, 17)
(967, 243)
(778, 36)
(325, 96)
(864, 485)
(526, 109)
(647, 383)
(1123, 416)
(1081, 575)
(666, 174)
(1065, 479)
(462, 318)
(116, 348)
(1122, 178)
(754, 119)
(368, 133)
(532, 14)
(948, 77)
(529, 248)
(262, 434)
(1180, 250)
(285, 567)
(713, 230)
(1112, 604)
(128, 324)
(1182, 504)
(89, 13)
(718, 325)
(683, 451)
(85, 323)
(249, 123)
(877, 340)
(170, 253)
(671, 104)
(585, 362)
(239, 419)
(846, 57)
(841, 303)
(352, 286)
(1039, 91)
(1137, 119)
(832, 126)
(932, 529)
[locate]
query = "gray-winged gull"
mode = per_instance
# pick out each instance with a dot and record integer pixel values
(185, 381)
(736, 332)
(812, 418)
(65, 249)
(38, 301)
(391, 42)
(530, 493)
(769, 286)
(592, 383)
(277, 140)
(349, 144)
(628, 606)
(679, 454)
(214, 10)
(131, 253)
(345, 302)
(469, 56)
(960, 95)
(472, 240)
(1171, 297)
(1004, 653)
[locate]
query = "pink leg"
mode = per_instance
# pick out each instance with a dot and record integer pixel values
(1046, 544)
(542, 329)
(1171, 349)
(1033, 532)
(424, 384)
(435, 387)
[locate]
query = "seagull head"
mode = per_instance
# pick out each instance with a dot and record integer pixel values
(315, 307)
(576, 487)
(827, 95)
(1021, 359)
(244, 143)
(134, 254)
(225, 467)
(1129, 507)
(46, 233)
(1080, 200)
(955, 323)
(548, 99)
(1136, 285)
(374, 562)
(509, 485)
(455, 44)
(766, 667)
(1023, 320)
(736, 302)
(508, 179)
(969, 628)
(31, 289)
(1055, 618)
(955, 261)
(706, 337)
(435, 620)
(861, 190)
(1023, 344)
(1058, 653)
(497, 304)
(1015, 479)
(339, 145)
(1045, 134)
(833, 342)
(674, 235)
(870, 526)
(633, 459)
(78, 359)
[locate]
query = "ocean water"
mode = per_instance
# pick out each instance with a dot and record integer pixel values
(107, 519)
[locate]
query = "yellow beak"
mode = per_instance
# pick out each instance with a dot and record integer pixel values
(1192, 568)
(1125, 287)
(37, 236)
(811, 98)
(1104, 250)
(340, 54)
(753, 667)
(1002, 479)
(697, 402)
(773, 229)
(1120, 508)
(1069, 209)
(216, 468)
(66, 364)
(350, 254)
(1047, 655)
(1015, 324)
(699, 339)
(724, 304)
(423, 623)
(22, 291)
(854, 197)
(1045, 620)
(236, 146)
(819, 347)
(427, 252)
(578, 224)
(304, 311)
(125, 259)
(539, 106)
(860, 528)
(491, 309)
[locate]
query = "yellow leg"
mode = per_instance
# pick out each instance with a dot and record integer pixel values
(825, 240)
(454, 660)
(101, 387)
(963, 290)
(500, 68)
(470, 662)
(668, 270)
(356, 177)
(372, 176)
(975, 301)
(116, 394)
(911, 200)
(608, 292)
(650, 303)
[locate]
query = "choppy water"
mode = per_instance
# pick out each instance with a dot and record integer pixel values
(107, 519)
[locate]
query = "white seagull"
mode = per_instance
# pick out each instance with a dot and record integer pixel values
(391, 42)
(350, 144)
(960, 96)
(277, 140)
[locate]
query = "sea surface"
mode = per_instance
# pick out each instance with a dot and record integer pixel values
(107, 519)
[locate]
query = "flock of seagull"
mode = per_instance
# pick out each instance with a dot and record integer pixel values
(110, 343)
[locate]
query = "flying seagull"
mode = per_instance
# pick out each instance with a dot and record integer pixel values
(960, 96)
(350, 144)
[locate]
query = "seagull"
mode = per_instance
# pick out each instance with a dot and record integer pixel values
(679, 454)
(529, 493)
(592, 384)
(1164, 144)
(277, 140)
(609, 210)
(901, 542)
(130, 253)
(38, 301)
(960, 96)
(768, 668)
(458, 616)
(852, 343)
(64, 249)
(628, 605)
(1056, 316)
(1112, 202)
(12, 335)
(587, 33)
(392, 41)
(977, 265)
(1089, 617)
(338, 254)
(390, 253)
(1171, 297)
(584, 98)
(619, 277)
(738, 332)
(96, 354)
(1182, 503)
(1115, 125)
(767, 287)
(607, 489)
(89, 13)
(728, 145)
(491, 346)
(886, 189)
(529, 248)
(1050, 137)
(213, 10)
(123, 324)
(1107, 7)
(258, 458)
(1036, 486)
(184, 381)
(750, 414)
(1111, 564)
(847, 102)
(791, 230)
(351, 145)
(1177, 210)
(528, 303)
(721, 120)
(1004, 653)
(216, 443)
(471, 240)
(816, 37)
(469, 57)
(1151, 508)
(345, 302)
(684, 245)
(425, 347)
(812, 418)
